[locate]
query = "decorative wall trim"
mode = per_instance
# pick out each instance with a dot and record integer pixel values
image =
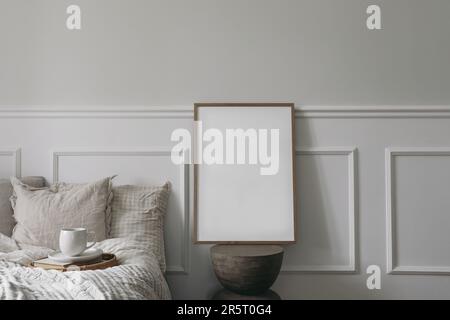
(184, 268)
(373, 112)
(390, 212)
(100, 112)
(186, 112)
(16, 156)
(350, 153)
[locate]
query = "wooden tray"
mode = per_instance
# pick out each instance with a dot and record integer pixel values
(108, 260)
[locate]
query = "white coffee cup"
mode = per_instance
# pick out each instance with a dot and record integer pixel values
(73, 241)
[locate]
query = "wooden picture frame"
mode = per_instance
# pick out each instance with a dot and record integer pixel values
(287, 134)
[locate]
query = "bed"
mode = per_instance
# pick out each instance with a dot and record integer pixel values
(139, 250)
(137, 277)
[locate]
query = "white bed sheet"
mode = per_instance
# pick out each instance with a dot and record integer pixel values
(137, 277)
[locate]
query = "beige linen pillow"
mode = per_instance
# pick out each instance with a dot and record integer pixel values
(6, 212)
(42, 213)
(137, 212)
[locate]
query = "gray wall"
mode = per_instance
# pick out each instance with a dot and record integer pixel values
(167, 52)
(175, 52)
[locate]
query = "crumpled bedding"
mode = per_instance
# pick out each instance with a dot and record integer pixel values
(138, 275)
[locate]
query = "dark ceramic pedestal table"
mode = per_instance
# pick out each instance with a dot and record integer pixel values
(246, 271)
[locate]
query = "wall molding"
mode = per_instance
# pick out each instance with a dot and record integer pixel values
(350, 153)
(184, 267)
(390, 153)
(16, 155)
(186, 111)
(100, 112)
(380, 111)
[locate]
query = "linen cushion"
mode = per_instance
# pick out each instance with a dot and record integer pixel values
(6, 212)
(42, 213)
(137, 212)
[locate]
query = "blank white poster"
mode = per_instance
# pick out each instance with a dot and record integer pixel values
(251, 199)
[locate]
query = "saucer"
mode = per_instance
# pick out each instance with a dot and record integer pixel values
(89, 254)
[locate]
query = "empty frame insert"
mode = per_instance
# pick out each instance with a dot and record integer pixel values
(244, 173)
